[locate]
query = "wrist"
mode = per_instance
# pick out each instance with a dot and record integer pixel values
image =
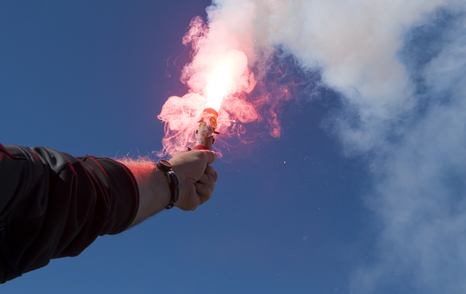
(154, 192)
(162, 187)
(173, 183)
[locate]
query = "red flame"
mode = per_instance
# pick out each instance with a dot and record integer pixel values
(218, 77)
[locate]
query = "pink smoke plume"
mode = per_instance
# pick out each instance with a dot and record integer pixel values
(219, 77)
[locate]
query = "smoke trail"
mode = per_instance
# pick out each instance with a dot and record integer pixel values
(420, 176)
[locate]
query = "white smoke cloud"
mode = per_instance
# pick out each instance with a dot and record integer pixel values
(420, 180)
(421, 189)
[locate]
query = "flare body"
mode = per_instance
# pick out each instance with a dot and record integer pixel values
(205, 133)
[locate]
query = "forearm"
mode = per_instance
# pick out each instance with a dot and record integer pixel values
(154, 193)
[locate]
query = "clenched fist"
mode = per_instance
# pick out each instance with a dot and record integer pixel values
(196, 177)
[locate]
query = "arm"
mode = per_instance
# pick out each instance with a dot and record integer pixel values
(54, 205)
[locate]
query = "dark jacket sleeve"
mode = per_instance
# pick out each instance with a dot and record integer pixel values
(54, 205)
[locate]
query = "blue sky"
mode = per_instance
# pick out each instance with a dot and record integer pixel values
(289, 215)
(89, 78)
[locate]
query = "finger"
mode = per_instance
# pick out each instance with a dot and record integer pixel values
(206, 179)
(204, 191)
(211, 173)
(189, 200)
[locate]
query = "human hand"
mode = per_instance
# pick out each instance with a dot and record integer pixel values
(196, 177)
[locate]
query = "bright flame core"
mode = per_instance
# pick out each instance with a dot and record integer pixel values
(225, 78)
(218, 86)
